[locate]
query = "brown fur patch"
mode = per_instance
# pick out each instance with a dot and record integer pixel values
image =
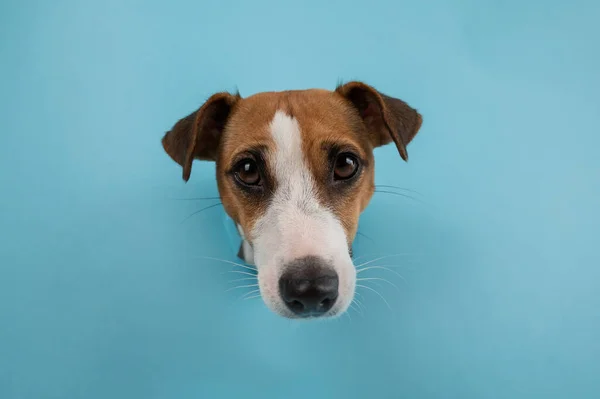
(325, 120)
(354, 117)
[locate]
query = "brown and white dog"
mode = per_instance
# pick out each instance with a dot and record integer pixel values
(295, 169)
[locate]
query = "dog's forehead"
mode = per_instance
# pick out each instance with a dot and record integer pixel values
(319, 114)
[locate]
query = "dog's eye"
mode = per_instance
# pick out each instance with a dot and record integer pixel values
(246, 172)
(346, 166)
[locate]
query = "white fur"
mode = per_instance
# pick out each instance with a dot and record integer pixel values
(295, 224)
(247, 248)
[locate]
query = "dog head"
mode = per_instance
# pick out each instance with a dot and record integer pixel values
(295, 169)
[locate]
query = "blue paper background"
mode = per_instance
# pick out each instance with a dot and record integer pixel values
(103, 293)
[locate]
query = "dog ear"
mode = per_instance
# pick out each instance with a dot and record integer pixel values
(387, 118)
(197, 136)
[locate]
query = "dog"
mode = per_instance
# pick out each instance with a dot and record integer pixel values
(295, 169)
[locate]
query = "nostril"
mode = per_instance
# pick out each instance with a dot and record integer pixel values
(325, 303)
(296, 306)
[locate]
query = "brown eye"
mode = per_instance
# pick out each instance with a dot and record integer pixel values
(346, 166)
(246, 172)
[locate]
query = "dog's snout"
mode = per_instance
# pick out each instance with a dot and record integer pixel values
(309, 287)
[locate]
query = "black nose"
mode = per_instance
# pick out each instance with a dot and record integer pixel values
(309, 286)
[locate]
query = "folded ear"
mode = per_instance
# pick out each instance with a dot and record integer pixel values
(197, 136)
(387, 118)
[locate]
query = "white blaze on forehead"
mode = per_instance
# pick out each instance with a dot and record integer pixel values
(296, 224)
(289, 157)
(293, 177)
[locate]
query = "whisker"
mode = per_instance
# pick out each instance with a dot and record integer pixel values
(358, 257)
(227, 261)
(241, 286)
(202, 210)
(378, 285)
(251, 292)
(378, 279)
(401, 195)
(240, 272)
(349, 317)
(244, 279)
(399, 188)
(406, 265)
(382, 268)
(377, 292)
(359, 303)
(358, 233)
(196, 199)
(408, 262)
(252, 297)
(386, 255)
(357, 307)
(381, 257)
